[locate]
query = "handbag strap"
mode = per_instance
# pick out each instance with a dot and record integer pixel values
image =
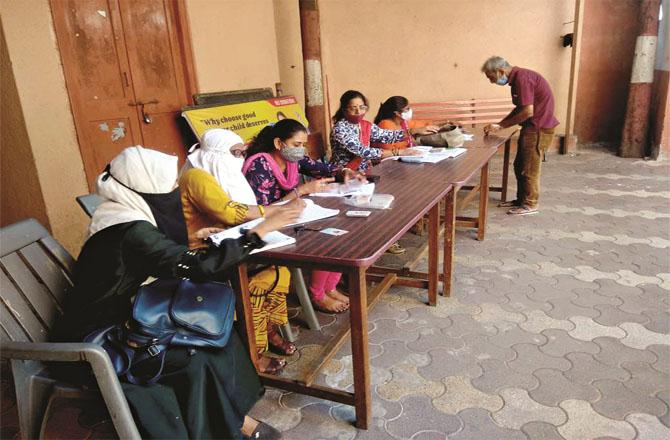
(158, 348)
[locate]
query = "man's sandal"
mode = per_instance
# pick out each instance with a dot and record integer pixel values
(522, 210)
(509, 204)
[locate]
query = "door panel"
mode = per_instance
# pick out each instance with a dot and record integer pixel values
(110, 136)
(158, 78)
(116, 55)
(93, 51)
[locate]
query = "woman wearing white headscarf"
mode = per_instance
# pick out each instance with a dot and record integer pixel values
(138, 232)
(215, 193)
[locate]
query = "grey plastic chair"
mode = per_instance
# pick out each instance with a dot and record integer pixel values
(89, 203)
(35, 273)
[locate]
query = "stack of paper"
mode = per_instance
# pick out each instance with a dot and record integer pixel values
(353, 188)
(274, 239)
(435, 155)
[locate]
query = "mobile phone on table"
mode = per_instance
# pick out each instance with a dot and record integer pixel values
(372, 178)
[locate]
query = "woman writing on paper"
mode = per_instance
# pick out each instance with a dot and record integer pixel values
(352, 135)
(274, 161)
(136, 233)
(214, 193)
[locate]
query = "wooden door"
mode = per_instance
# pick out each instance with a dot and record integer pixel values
(124, 64)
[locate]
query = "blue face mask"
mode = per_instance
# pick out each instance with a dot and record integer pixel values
(502, 80)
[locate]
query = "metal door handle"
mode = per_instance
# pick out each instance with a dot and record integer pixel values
(145, 117)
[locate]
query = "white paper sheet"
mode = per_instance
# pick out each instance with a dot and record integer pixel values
(274, 239)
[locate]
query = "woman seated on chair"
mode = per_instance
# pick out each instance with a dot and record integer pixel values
(396, 114)
(138, 232)
(214, 192)
(274, 161)
(352, 135)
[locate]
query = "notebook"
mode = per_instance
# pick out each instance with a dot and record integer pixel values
(274, 239)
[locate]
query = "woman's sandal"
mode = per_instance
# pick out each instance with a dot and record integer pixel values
(274, 366)
(396, 249)
(321, 308)
(335, 294)
(284, 347)
(264, 431)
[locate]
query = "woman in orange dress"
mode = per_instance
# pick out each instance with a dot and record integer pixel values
(396, 114)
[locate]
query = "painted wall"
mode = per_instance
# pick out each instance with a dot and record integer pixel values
(605, 68)
(47, 123)
(234, 44)
(21, 196)
(432, 50)
(289, 48)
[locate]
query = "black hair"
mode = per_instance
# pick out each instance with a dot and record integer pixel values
(389, 107)
(264, 140)
(345, 99)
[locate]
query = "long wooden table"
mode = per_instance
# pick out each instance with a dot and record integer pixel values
(352, 254)
(418, 189)
(498, 139)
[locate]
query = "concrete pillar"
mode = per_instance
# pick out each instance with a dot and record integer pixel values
(311, 53)
(570, 140)
(635, 135)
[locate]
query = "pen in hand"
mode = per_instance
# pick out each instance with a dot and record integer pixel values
(297, 194)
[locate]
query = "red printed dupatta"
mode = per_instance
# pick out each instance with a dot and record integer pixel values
(366, 132)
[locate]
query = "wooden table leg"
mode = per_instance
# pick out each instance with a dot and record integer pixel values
(244, 315)
(448, 250)
(483, 202)
(433, 254)
(505, 176)
(358, 315)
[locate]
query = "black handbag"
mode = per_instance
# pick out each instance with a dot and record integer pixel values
(168, 312)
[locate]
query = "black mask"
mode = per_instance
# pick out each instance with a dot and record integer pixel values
(166, 209)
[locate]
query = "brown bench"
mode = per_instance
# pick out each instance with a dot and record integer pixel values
(470, 113)
(467, 112)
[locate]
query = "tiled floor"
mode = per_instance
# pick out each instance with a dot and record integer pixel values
(558, 326)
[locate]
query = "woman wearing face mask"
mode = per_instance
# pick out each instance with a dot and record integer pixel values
(352, 135)
(274, 161)
(136, 233)
(214, 193)
(396, 114)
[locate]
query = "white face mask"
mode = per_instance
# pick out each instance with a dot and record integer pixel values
(406, 115)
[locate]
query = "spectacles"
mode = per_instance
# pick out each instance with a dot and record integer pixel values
(360, 107)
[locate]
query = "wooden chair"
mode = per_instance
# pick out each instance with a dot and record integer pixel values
(36, 272)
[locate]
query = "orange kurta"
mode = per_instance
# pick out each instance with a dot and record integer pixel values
(390, 124)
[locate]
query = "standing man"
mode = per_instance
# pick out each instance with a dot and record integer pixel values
(534, 111)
